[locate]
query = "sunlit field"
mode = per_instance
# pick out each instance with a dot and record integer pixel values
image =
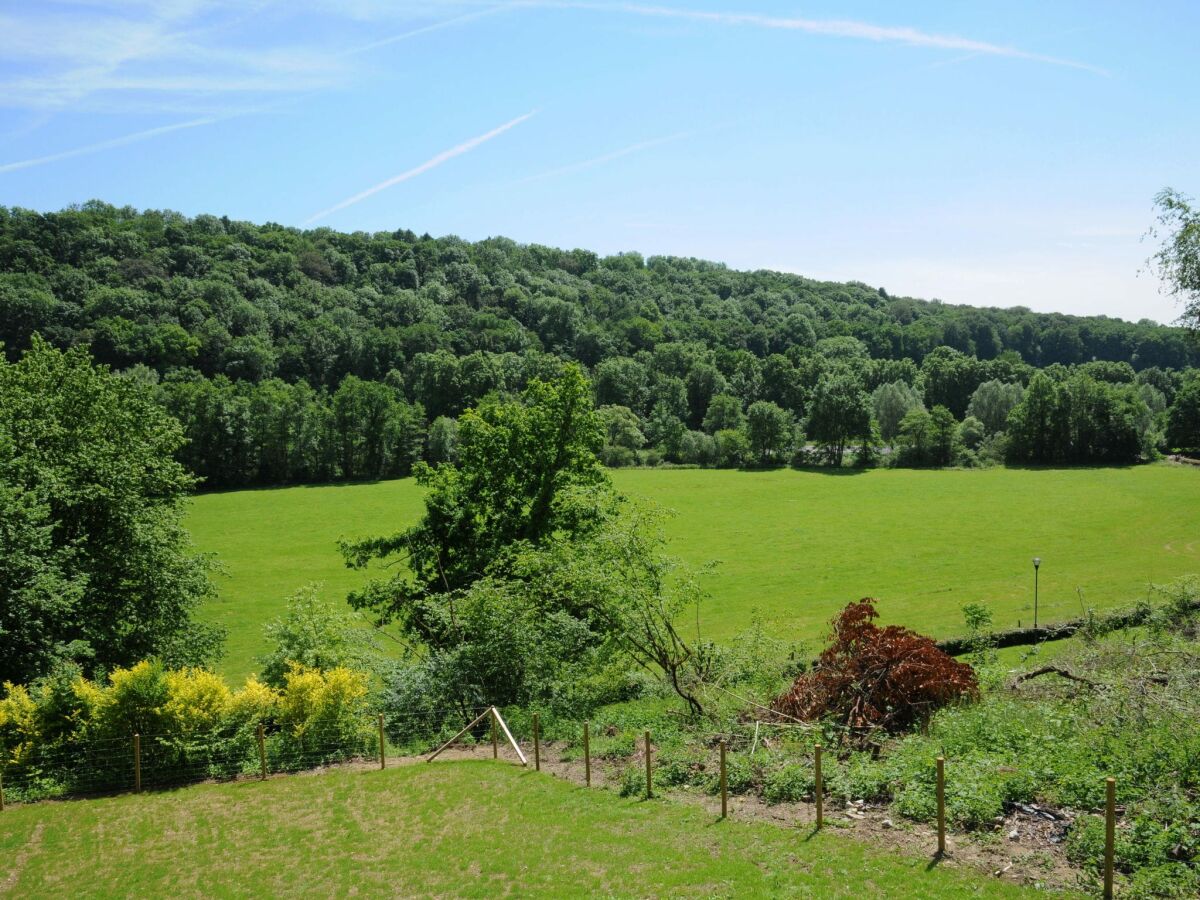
(792, 547)
(463, 829)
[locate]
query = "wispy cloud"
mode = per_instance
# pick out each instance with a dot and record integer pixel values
(105, 145)
(843, 28)
(425, 29)
(607, 157)
(176, 58)
(431, 163)
(117, 57)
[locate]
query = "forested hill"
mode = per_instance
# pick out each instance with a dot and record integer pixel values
(255, 301)
(226, 315)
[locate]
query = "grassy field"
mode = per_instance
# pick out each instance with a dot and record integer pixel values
(469, 829)
(793, 546)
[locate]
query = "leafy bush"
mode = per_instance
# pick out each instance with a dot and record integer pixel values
(681, 766)
(321, 717)
(1174, 881)
(858, 777)
(790, 781)
(632, 782)
(67, 733)
(316, 633)
(1144, 841)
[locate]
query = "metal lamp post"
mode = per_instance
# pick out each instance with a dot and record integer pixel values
(1037, 562)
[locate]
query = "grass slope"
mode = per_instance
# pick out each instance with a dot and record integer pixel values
(794, 546)
(470, 829)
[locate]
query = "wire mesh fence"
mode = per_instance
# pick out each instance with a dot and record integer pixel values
(105, 764)
(718, 762)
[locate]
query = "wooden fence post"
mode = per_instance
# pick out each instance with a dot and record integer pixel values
(382, 757)
(819, 787)
(724, 785)
(649, 779)
(587, 754)
(537, 745)
(495, 743)
(941, 805)
(262, 754)
(137, 763)
(1110, 833)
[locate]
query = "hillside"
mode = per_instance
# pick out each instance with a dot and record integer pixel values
(309, 356)
(452, 829)
(255, 301)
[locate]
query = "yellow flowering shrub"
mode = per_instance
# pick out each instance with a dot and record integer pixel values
(323, 713)
(255, 702)
(192, 725)
(18, 724)
(88, 699)
(197, 701)
(314, 699)
(133, 701)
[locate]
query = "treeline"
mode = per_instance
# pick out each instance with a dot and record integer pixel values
(683, 405)
(293, 356)
(952, 410)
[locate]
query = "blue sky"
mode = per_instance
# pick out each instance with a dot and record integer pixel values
(996, 153)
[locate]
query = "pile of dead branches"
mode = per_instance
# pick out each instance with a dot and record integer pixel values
(871, 678)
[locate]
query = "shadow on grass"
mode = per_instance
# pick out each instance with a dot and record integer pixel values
(240, 489)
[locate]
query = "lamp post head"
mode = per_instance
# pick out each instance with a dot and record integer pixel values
(1037, 561)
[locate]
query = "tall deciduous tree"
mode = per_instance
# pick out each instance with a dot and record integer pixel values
(724, 411)
(769, 429)
(992, 402)
(1183, 418)
(98, 569)
(527, 470)
(1178, 260)
(891, 402)
(839, 413)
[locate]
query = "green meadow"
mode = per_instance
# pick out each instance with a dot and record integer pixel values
(791, 547)
(464, 829)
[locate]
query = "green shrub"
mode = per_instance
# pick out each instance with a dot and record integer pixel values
(682, 766)
(740, 776)
(858, 777)
(1169, 880)
(1142, 842)
(632, 782)
(790, 781)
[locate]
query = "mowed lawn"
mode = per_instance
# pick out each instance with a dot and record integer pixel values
(462, 829)
(793, 547)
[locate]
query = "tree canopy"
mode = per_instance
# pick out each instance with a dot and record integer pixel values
(95, 567)
(526, 470)
(1177, 261)
(306, 356)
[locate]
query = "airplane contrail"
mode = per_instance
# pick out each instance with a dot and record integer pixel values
(431, 163)
(107, 145)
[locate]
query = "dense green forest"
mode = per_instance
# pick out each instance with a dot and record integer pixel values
(301, 356)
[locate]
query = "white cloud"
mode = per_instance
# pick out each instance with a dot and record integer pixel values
(117, 56)
(431, 163)
(843, 28)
